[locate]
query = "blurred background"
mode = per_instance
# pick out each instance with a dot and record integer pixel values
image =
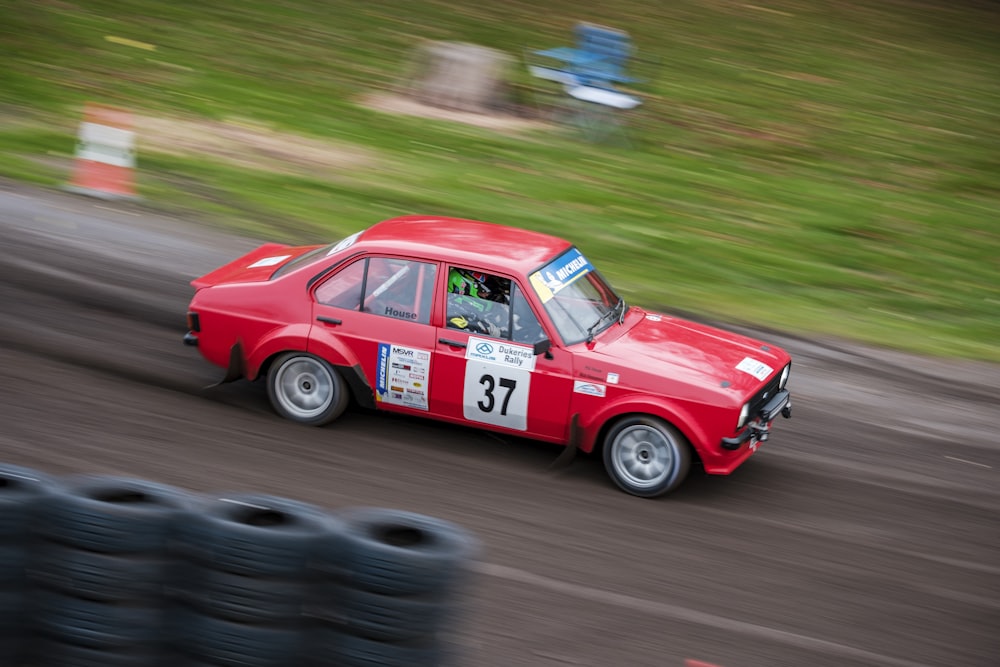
(819, 168)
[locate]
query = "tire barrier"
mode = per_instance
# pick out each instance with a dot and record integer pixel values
(113, 515)
(389, 586)
(103, 567)
(402, 553)
(22, 493)
(248, 579)
(110, 571)
(254, 535)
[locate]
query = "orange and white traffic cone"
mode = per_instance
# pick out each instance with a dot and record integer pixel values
(105, 154)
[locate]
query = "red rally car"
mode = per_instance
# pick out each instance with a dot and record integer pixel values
(495, 327)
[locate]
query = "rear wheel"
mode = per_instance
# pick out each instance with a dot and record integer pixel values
(306, 389)
(646, 456)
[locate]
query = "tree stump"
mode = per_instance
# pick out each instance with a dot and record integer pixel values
(460, 76)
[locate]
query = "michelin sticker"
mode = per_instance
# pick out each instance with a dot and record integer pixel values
(503, 354)
(758, 369)
(403, 373)
(559, 273)
(589, 388)
(269, 261)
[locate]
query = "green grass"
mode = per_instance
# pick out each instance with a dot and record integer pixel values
(821, 168)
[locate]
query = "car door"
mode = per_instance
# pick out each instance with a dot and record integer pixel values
(494, 378)
(375, 312)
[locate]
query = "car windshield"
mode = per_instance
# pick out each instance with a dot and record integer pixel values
(576, 298)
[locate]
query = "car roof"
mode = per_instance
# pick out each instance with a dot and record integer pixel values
(474, 243)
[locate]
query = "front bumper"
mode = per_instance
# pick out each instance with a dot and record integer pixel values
(759, 429)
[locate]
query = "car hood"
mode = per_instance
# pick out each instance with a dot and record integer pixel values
(256, 265)
(688, 352)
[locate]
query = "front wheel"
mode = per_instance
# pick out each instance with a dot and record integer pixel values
(306, 389)
(646, 456)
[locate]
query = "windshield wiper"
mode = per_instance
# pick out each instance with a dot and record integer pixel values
(618, 310)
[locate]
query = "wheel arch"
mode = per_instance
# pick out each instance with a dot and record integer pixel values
(597, 427)
(357, 382)
(288, 338)
(597, 447)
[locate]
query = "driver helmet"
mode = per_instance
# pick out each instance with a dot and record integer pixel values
(472, 283)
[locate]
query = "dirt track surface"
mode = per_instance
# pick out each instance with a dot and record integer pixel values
(866, 532)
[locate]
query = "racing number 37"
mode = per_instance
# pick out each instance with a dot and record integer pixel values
(496, 394)
(488, 403)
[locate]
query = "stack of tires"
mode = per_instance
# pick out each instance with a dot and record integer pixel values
(101, 570)
(247, 581)
(390, 586)
(105, 571)
(22, 492)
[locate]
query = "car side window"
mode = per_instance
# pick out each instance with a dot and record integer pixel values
(399, 288)
(526, 327)
(478, 302)
(343, 288)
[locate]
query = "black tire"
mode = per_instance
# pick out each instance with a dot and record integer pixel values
(53, 653)
(96, 624)
(22, 491)
(391, 617)
(113, 515)
(347, 650)
(244, 599)
(14, 558)
(646, 456)
(14, 648)
(13, 610)
(254, 535)
(333, 552)
(401, 553)
(306, 389)
(105, 577)
(228, 644)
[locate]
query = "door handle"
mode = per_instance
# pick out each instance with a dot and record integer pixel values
(329, 320)
(453, 343)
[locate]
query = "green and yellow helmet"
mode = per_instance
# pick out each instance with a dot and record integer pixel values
(467, 282)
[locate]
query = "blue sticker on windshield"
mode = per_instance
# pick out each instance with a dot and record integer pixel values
(560, 273)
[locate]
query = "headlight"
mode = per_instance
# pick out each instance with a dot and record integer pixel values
(744, 413)
(784, 376)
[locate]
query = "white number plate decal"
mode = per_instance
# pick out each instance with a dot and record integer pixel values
(496, 394)
(758, 369)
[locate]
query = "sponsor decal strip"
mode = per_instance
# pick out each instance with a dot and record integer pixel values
(589, 388)
(501, 353)
(558, 274)
(402, 374)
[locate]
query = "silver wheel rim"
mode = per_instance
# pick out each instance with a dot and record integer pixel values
(643, 456)
(304, 387)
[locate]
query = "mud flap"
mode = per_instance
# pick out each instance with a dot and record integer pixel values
(568, 454)
(235, 370)
(360, 389)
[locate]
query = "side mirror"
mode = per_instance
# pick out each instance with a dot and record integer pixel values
(542, 347)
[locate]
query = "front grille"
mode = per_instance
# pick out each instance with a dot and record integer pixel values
(766, 393)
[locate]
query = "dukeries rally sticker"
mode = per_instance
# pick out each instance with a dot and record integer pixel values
(505, 354)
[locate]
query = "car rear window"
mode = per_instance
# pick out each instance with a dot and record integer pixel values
(318, 253)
